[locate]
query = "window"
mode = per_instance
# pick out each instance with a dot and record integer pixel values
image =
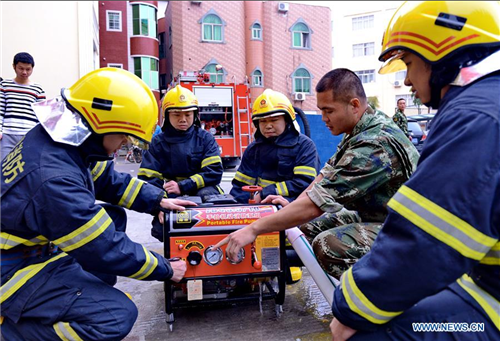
(366, 76)
(301, 81)
(215, 76)
(361, 23)
(400, 75)
(256, 31)
(114, 21)
(212, 28)
(144, 20)
(364, 49)
(170, 37)
(147, 69)
(119, 66)
(161, 39)
(257, 78)
(407, 98)
(300, 36)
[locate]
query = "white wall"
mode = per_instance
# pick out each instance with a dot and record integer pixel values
(62, 37)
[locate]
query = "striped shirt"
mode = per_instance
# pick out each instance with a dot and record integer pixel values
(16, 114)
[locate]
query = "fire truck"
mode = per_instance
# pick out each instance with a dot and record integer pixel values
(224, 112)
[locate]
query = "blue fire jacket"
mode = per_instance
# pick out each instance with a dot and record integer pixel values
(444, 223)
(48, 195)
(285, 166)
(190, 158)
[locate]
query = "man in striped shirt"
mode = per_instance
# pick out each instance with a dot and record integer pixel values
(16, 95)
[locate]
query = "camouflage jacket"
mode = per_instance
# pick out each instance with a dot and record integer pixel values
(402, 122)
(368, 168)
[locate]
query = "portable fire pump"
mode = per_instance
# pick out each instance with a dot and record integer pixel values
(224, 112)
(211, 277)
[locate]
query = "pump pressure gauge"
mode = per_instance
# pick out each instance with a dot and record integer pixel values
(240, 256)
(212, 256)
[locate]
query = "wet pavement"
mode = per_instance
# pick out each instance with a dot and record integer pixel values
(306, 314)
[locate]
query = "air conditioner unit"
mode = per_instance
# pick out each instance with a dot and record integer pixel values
(282, 6)
(300, 96)
(397, 84)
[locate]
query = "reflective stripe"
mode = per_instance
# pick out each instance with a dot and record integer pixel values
(133, 188)
(150, 173)
(200, 183)
(493, 256)
(86, 233)
(98, 170)
(22, 276)
(264, 183)
(148, 267)
(282, 189)
(8, 241)
(490, 305)
(358, 302)
(244, 178)
(441, 224)
(305, 170)
(65, 332)
(210, 160)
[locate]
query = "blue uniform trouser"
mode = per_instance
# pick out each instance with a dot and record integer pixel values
(72, 302)
(444, 307)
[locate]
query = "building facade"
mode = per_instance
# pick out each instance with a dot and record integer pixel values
(129, 39)
(357, 43)
(62, 37)
(277, 45)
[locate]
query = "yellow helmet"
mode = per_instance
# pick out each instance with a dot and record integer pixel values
(272, 103)
(179, 98)
(439, 30)
(113, 100)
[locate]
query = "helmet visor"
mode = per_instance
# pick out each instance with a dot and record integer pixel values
(393, 62)
(267, 116)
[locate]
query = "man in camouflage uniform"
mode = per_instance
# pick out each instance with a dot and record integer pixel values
(400, 118)
(351, 192)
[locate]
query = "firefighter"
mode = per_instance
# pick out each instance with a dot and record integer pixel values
(183, 159)
(56, 242)
(281, 159)
(437, 258)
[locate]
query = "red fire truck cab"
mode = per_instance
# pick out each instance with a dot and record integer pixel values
(224, 112)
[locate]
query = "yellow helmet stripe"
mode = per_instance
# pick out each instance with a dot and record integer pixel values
(150, 173)
(24, 275)
(360, 304)
(133, 188)
(98, 170)
(8, 241)
(305, 170)
(86, 233)
(210, 160)
(490, 305)
(149, 266)
(441, 224)
(244, 178)
(65, 332)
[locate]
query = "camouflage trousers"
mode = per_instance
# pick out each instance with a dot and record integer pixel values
(340, 239)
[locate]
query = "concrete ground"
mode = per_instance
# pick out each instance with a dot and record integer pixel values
(306, 314)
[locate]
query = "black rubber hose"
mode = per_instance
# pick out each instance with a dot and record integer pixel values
(305, 123)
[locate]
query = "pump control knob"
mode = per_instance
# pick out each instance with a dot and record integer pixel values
(257, 265)
(194, 258)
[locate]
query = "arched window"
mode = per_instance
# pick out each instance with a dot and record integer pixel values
(257, 78)
(212, 27)
(256, 31)
(301, 35)
(144, 20)
(216, 76)
(301, 80)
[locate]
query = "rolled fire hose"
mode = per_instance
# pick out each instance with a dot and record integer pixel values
(325, 282)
